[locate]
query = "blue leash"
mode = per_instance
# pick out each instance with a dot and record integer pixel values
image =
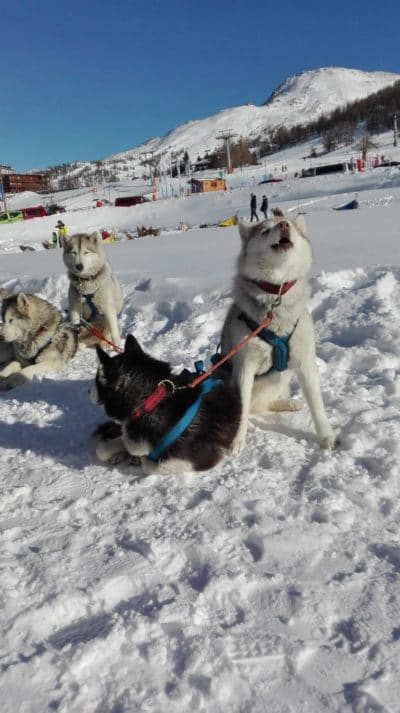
(176, 431)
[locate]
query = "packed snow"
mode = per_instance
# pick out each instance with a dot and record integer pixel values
(270, 583)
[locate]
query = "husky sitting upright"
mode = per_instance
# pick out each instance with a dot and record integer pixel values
(124, 381)
(34, 339)
(272, 265)
(94, 291)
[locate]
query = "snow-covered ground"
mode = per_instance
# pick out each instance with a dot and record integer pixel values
(271, 583)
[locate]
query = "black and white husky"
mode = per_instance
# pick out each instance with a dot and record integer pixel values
(274, 260)
(124, 381)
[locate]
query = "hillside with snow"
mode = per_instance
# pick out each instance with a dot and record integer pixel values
(298, 100)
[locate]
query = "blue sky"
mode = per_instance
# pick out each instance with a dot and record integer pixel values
(87, 78)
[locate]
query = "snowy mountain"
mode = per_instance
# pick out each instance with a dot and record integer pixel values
(299, 99)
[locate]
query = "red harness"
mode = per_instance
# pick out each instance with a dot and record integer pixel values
(153, 400)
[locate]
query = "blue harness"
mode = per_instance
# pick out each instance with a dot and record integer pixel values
(280, 345)
(89, 301)
(176, 431)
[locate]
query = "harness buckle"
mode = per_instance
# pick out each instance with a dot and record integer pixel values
(276, 303)
(168, 383)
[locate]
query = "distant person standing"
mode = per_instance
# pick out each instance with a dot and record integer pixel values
(62, 231)
(253, 207)
(264, 206)
(54, 238)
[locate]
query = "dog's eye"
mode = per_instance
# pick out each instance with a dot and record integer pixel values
(266, 231)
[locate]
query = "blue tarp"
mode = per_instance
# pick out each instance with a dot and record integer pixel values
(348, 206)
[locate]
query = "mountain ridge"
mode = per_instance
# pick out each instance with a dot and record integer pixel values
(299, 99)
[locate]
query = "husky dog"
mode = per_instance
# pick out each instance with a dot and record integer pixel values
(124, 381)
(274, 260)
(94, 291)
(34, 339)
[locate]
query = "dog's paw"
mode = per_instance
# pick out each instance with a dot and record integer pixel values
(110, 452)
(238, 444)
(118, 458)
(10, 382)
(147, 465)
(285, 405)
(328, 441)
(135, 461)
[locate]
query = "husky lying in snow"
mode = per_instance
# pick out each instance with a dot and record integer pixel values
(125, 380)
(274, 259)
(34, 340)
(94, 291)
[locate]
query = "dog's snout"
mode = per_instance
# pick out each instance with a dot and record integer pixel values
(284, 229)
(79, 266)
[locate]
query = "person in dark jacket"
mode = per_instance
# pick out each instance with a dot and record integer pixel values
(253, 207)
(264, 206)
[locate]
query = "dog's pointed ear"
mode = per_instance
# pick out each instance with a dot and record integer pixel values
(23, 303)
(245, 231)
(300, 222)
(132, 346)
(102, 355)
(93, 237)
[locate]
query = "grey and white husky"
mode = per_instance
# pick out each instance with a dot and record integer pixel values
(33, 339)
(274, 260)
(94, 291)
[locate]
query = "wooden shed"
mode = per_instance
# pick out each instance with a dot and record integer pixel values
(203, 185)
(18, 182)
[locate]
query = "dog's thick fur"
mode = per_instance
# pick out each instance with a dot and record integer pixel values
(125, 380)
(274, 251)
(33, 339)
(93, 287)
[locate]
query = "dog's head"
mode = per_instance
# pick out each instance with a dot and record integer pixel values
(124, 380)
(83, 254)
(16, 315)
(276, 249)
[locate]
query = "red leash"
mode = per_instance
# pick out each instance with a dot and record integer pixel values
(97, 333)
(233, 351)
(162, 391)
